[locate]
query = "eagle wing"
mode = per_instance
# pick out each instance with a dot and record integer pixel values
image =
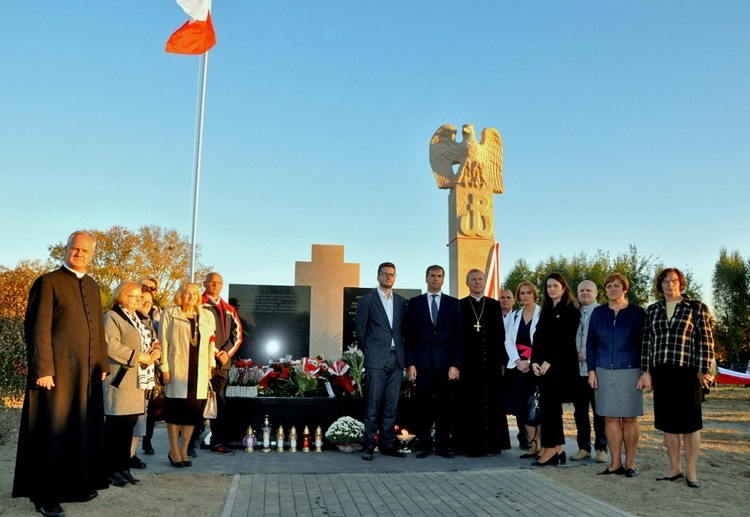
(445, 152)
(492, 158)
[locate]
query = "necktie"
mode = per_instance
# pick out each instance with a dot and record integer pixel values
(434, 309)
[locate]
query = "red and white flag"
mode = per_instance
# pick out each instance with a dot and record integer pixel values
(492, 287)
(197, 36)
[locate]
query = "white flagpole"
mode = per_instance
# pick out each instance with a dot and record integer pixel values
(197, 157)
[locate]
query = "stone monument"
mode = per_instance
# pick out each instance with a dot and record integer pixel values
(327, 275)
(479, 175)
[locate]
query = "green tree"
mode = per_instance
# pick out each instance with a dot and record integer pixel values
(123, 255)
(731, 289)
(639, 270)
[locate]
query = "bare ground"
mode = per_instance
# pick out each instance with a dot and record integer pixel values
(723, 469)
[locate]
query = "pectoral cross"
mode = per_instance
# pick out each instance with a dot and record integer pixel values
(478, 326)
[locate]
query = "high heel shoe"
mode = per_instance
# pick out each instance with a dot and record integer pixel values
(554, 460)
(562, 457)
(176, 464)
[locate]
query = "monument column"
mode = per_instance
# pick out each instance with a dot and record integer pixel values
(471, 211)
(472, 234)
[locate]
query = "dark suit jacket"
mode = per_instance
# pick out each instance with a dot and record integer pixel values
(428, 346)
(374, 332)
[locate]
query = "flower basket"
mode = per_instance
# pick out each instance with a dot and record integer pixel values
(346, 431)
(242, 391)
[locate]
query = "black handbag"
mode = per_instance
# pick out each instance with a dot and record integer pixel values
(533, 411)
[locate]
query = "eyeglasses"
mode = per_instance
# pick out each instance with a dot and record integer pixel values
(388, 275)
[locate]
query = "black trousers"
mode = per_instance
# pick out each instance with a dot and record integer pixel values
(218, 424)
(435, 404)
(118, 433)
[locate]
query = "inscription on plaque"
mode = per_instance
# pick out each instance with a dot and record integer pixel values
(275, 320)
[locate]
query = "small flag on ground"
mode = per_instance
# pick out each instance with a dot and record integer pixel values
(197, 35)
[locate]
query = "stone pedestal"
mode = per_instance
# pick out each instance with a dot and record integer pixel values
(471, 233)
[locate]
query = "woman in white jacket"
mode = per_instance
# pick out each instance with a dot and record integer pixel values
(186, 332)
(520, 380)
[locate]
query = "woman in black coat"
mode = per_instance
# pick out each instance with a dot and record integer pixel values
(554, 360)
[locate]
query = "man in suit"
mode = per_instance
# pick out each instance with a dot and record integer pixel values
(433, 355)
(228, 341)
(61, 452)
(379, 324)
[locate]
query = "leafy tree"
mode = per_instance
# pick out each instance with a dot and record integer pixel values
(639, 270)
(123, 255)
(14, 294)
(731, 283)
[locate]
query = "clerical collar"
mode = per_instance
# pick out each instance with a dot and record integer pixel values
(475, 298)
(78, 274)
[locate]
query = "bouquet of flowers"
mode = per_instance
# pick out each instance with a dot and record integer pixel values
(305, 380)
(345, 430)
(243, 373)
(356, 361)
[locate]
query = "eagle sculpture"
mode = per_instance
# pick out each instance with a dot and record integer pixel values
(480, 164)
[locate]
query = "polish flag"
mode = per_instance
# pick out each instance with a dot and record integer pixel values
(492, 287)
(197, 35)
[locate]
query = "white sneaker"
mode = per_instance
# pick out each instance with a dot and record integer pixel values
(601, 457)
(580, 455)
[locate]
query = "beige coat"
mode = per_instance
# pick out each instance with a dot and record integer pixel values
(174, 334)
(124, 348)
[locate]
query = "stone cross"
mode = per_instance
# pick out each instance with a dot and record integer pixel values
(327, 275)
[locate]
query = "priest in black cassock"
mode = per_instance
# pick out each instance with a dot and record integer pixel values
(481, 427)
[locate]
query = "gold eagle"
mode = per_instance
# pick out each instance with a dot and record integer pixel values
(480, 164)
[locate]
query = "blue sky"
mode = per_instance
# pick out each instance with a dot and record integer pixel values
(623, 123)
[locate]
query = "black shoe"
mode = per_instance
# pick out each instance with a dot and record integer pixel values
(693, 484)
(392, 451)
(446, 453)
(51, 510)
(220, 449)
(83, 498)
(367, 455)
(192, 453)
(554, 460)
(631, 473)
(423, 454)
(176, 464)
(116, 479)
(129, 477)
(607, 472)
(187, 463)
(671, 478)
(147, 448)
(136, 463)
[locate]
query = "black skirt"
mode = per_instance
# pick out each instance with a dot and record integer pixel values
(677, 399)
(187, 411)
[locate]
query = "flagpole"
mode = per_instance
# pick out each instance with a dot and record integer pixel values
(201, 102)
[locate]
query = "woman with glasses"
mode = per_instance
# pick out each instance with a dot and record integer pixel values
(144, 427)
(128, 345)
(678, 347)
